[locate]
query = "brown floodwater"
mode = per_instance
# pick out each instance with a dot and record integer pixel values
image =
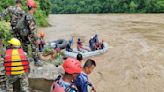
(136, 61)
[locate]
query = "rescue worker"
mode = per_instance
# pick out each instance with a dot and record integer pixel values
(72, 69)
(80, 46)
(41, 41)
(16, 66)
(81, 81)
(68, 46)
(95, 38)
(92, 44)
(96, 41)
(15, 13)
(29, 34)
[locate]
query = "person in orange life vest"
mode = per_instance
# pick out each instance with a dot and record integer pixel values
(16, 66)
(72, 69)
(41, 41)
(80, 46)
(81, 81)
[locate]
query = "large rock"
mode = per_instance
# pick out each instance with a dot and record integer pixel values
(48, 71)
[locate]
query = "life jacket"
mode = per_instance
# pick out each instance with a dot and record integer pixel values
(16, 62)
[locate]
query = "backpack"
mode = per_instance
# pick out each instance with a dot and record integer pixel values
(57, 87)
(22, 26)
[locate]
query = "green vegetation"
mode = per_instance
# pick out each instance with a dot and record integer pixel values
(48, 51)
(5, 32)
(43, 10)
(40, 15)
(107, 6)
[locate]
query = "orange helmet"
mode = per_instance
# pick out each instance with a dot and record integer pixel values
(41, 34)
(72, 66)
(31, 3)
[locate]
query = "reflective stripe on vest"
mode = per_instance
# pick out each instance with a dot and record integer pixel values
(16, 62)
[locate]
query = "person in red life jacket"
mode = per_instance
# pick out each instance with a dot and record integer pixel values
(72, 69)
(80, 46)
(81, 81)
(41, 41)
(16, 66)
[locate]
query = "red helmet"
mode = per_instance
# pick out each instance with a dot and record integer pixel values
(31, 3)
(41, 34)
(72, 66)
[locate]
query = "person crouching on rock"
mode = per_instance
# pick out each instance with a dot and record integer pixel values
(16, 66)
(72, 69)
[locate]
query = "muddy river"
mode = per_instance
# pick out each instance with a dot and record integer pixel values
(135, 63)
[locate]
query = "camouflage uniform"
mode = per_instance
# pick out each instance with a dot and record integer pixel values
(15, 13)
(31, 38)
(11, 79)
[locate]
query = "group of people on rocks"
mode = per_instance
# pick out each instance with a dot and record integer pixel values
(94, 44)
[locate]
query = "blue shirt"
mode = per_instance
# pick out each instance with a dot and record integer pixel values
(82, 82)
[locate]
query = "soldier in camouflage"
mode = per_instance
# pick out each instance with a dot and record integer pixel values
(15, 13)
(32, 37)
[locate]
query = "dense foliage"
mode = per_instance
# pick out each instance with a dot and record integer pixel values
(40, 16)
(5, 31)
(107, 6)
(43, 10)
